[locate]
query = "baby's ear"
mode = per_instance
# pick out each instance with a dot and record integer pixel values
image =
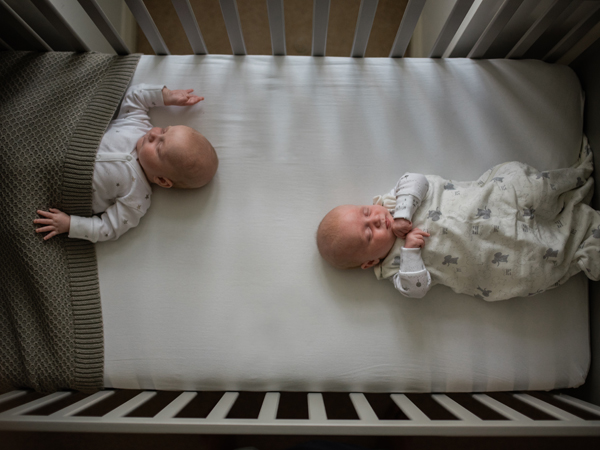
(368, 264)
(163, 182)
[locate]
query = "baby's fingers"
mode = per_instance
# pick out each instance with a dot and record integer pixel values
(194, 99)
(48, 236)
(44, 229)
(421, 232)
(44, 213)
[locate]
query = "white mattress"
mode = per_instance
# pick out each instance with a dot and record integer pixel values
(222, 288)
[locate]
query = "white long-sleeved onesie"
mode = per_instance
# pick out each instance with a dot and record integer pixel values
(121, 194)
(411, 277)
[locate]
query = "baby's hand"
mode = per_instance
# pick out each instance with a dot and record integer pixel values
(401, 227)
(415, 239)
(180, 97)
(57, 222)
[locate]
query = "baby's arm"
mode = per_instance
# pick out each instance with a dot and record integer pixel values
(140, 98)
(113, 222)
(410, 192)
(180, 97)
(413, 279)
(138, 101)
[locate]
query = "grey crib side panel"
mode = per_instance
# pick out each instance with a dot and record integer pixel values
(587, 67)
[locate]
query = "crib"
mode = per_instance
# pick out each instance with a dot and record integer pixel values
(471, 30)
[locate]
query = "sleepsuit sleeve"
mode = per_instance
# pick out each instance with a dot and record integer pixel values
(410, 191)
(413, 279)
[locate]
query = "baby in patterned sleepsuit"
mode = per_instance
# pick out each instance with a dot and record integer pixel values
(133, 155)
(514, 232)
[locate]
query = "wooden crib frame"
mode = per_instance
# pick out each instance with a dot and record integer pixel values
(507, 414)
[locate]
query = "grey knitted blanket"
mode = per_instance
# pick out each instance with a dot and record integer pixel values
(54, 109)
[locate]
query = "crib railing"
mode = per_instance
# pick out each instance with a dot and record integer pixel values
(514, 414)
(551, 30)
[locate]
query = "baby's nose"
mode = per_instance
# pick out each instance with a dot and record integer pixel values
(153, 134)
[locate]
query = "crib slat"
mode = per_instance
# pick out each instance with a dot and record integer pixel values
(589, 407)
(547, 408)
(11, 395)
(95, 13)
(27, 407)
(573, 36)
(144, 20)
(190, 26)
(320, 24)
(366, 15)
(60, 25)
(455, 19)
(233, 25)
(173, 408)
(413, 11)
(222, 408)
(130, 405)
(82, 404)
(4, 45)
(34, 39)
(455, 408)
(501, 408)
(581, 46)
(538, 28)
(316, 408)
(363, 408)
(494, 28)
(277, 26)
(409, 408)
(268, 410)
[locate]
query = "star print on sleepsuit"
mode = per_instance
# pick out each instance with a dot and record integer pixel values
(449, 186)
(550, 253)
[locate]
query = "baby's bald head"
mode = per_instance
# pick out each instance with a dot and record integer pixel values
(333, 243)
(177, 156)
(192, 159)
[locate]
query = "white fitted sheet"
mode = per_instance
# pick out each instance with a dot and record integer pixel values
(222, 288)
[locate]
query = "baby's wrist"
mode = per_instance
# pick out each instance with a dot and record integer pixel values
(165, 94)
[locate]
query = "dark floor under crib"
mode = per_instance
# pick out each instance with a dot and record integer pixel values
(71, 441)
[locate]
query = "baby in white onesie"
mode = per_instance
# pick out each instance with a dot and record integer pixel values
(133, 155)
(352, 236)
